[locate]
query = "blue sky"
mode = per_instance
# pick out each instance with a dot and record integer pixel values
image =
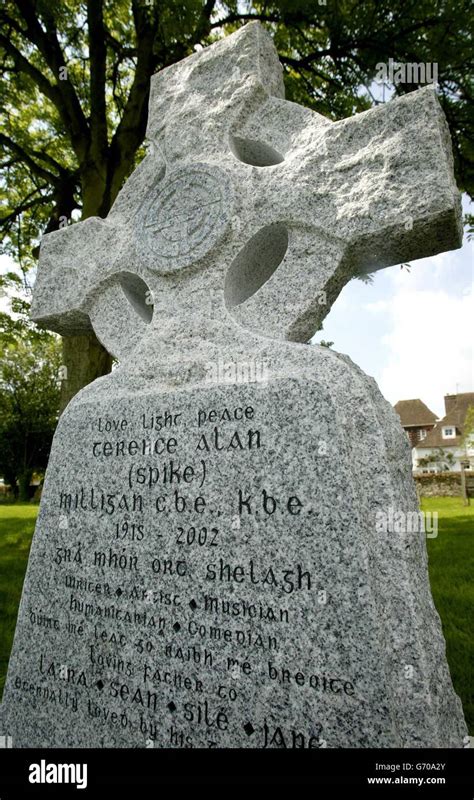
(411, 331)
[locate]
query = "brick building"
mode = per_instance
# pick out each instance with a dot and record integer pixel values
(416, 418)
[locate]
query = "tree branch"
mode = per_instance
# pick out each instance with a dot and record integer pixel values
(119, 103)
(130, 131)
(294, 64)
(245, 18)
(123, 52)
(47, 43)
(203, 26)
(22, 64)
(5, 222)
(27, 159)
(98, 61)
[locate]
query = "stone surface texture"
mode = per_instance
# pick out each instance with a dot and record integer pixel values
(207, 568)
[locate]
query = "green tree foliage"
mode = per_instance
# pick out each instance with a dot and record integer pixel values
(467, 440)
(29, 397)
(78, 77)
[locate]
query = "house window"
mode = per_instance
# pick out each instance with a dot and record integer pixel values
(422, 434)
(449, 433)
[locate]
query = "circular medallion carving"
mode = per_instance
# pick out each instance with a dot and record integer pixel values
(187, 217)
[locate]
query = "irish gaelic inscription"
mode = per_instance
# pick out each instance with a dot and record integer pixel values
(178, 587)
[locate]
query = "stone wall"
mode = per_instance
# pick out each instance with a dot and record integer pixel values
(439, 484)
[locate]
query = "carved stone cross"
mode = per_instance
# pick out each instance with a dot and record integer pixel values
(241, 528)
(250, 207)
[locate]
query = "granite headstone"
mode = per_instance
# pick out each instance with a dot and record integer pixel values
(225, 553)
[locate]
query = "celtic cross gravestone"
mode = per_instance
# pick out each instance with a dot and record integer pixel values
(208, 567)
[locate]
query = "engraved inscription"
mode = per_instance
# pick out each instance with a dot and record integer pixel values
(184, 570)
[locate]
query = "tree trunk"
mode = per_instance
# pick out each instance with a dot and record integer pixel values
(103, 168)
(84, 357)
(85, 360)
(24, 485)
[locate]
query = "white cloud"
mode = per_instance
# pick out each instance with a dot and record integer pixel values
(429, 346)
(8, 265)
(377, 306)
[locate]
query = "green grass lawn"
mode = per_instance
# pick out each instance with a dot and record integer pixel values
(451, 565)
(17, 523)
